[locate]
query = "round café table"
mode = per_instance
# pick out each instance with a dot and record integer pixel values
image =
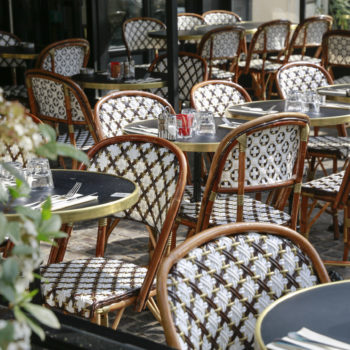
(324, 309)
(197, 144)
(329, 115)
(101, 81)
(18, 52)
(337, 92)
(113, 193)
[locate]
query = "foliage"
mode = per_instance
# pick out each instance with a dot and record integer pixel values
(34, 225)
(340, 10)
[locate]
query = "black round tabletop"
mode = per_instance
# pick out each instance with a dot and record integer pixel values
(323, 309)
(326, 117)
(105, 186)
(196, 143)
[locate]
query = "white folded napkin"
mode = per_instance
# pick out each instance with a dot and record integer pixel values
(78, 199)
(142, 130)
(336, 105)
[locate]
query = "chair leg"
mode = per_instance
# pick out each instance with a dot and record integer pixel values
(118, 317)
(101, 238)
(346, 233)
(153, 307)
(57, 253)
(304, 216)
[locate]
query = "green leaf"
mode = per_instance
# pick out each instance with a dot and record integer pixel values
(71, 152)
(13, 171)
(48, 150)
(48, 132)
(7, 291)
(4, 195)
(20, 315)
(48, 236)
(22, 249)
(13, 230)
(51, 225)
(10, 270)
(6, 334)
(44, 315)
(46, 209)
(32, 214)
(3, 223)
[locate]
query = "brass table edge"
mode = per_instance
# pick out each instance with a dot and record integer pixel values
(23, 56)
(121, 86)
(258, 342)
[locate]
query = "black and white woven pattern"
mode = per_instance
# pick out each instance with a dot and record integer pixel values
(83, 139)
(7, 39)
(216, 98)
(300, 78)
(219, 18)
(270, 153)
(191, 72)
(314, 32)
(225, 211)
(217, 290)
(49, 96)
(68, 60)
(152, 167)
(338, 50)
(189, 22)
(275, 40)
(80, 286)
(258, 64)
(136, 35)
(327, 185)
(330, 145)
(116, 113)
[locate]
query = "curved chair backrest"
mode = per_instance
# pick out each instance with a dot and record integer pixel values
(220, 17)
(135, 34)
(270, 38)
(58, 99)
(216, 95)
(222, 44)
(260, 155)
(188, 21)
(301, 76)
(212, 288)
(159, 169)
(192, 69)
(117, 109)
(65, 57)
(336, 49)
(9, 39)
(309, 33)
(16, 152)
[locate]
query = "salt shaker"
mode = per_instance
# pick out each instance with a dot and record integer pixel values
(162, 130)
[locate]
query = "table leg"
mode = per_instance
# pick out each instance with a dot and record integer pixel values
(197, 171)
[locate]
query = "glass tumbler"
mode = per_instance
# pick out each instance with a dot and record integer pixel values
(206, 123)
(39, 173)
(294, 102)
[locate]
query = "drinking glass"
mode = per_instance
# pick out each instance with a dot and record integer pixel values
(171, 127)
(206, 123)
(294, 102)
(39, 173)
(185, 125)
(311, 101)
(193, 112)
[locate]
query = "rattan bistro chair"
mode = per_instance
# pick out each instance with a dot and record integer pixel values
(118, 109)
(217, 95)
(192, 70)
(220, 17)
(64, 57)
(135, 35)
(159, 168)
(265, 154)
(328, 192)
(303, 76)
(212, 288)
(221, 48)
(271, 38)
(59, 101)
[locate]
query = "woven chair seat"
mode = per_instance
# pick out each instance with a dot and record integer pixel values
(12, 91)
(257, 64)
(324, 186)
(342, 80)
(225, 209)
(217, 73)
(330, 145)
(79, 286)
(83, 138)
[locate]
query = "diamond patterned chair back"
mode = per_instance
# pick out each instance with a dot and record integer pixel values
(18, 152)
(58, 100)
(260, 155)
(135, 34)
(212, 288)
(117, 109)
(159, 168)
(336, 51)
(9, 39)
(65, 57)
(192, 70)
(220, 17)
(301, 76)
(308, 34)
(216, 95)
(188, 21)
(221, 45)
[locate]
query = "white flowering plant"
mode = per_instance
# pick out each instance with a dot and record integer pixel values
(33, 226)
